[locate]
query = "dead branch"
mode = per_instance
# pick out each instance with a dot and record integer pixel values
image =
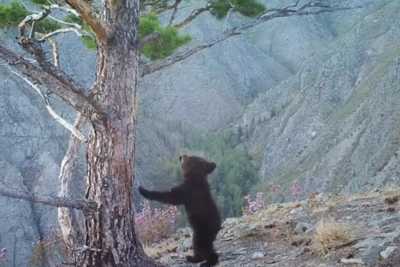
(68, 90)
(54, 49)
(33, 18)
(45, 13)
(59, 31)
(194, 14)
(51, 111)
(309, 8)
(68, 218)
(174, 12)
(62, 30)
(65, 9)
(80, 204)
(69, 24)
(55, 80)
(156, 6)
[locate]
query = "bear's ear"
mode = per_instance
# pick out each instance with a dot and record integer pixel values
(182, 157)
(211, 167)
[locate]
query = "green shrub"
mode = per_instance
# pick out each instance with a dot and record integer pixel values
(234, 178)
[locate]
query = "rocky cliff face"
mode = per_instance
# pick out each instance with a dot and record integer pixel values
(315, 98)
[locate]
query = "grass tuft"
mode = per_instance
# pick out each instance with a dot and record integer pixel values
(330, 235)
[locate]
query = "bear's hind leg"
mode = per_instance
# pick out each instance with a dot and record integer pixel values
(203, 247)
(211, 257)
(197, 255)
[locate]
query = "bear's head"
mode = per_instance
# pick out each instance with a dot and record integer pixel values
(196, 167)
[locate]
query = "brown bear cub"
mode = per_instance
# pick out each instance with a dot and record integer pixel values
(194, 193)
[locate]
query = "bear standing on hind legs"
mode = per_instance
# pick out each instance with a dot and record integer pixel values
(194, 193)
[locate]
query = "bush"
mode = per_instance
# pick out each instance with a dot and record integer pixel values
(253, 205)
(49, 249)
(296, 190)
(154, 224)
(330, 235)
(3, 254)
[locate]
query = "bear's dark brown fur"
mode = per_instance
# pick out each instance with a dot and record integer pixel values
(194, 193)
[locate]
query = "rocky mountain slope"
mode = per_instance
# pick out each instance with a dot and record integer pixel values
(315, 99)
(322, 231)
(334, 124)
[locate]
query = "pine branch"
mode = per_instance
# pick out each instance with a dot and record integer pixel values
(85, 11)
(309, 8)
(150, 38)
(180, 56)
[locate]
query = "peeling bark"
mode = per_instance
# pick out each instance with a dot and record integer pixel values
(68, 219)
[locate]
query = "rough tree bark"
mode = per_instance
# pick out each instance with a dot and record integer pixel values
(110, 235)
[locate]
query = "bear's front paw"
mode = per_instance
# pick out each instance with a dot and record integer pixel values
(144, 192)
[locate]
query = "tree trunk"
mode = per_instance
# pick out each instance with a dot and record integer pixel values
(110, 234)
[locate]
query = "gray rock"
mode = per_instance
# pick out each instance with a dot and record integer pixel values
(302, 228)
(258, 255)
(352, 261)
(387, 252)
(371, 256)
